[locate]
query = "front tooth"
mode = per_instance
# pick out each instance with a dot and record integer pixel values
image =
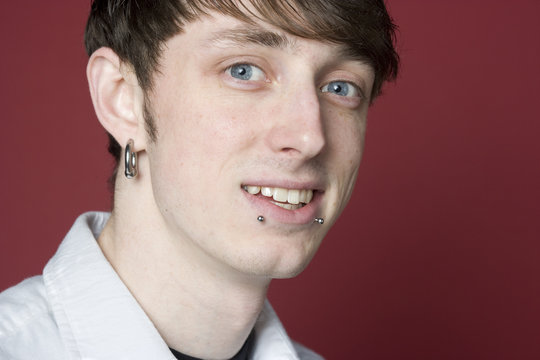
(267, 191)
(280, 194)
(253, 189)
(302, 197)
(309, 196)
(293, 197)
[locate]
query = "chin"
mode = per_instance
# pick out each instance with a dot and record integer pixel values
(282, 263)
(289, 272)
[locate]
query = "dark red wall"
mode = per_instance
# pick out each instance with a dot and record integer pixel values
(438, 255)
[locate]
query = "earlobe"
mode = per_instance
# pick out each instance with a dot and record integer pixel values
(117, 97)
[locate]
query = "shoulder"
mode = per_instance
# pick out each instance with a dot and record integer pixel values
(306, 354)
(26, 321)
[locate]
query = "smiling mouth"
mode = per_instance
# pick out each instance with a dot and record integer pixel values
(290, 199)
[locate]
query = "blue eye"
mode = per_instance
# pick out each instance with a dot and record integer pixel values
(341, 88)
(246, 72)
(241, 71)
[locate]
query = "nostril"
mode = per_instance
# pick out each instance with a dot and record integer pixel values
(289, 150)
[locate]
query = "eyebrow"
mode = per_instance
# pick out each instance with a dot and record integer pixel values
(245, 36)
(251, 35)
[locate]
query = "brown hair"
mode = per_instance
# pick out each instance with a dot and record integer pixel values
(137, 29)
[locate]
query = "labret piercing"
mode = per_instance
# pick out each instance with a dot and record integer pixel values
(260, 218)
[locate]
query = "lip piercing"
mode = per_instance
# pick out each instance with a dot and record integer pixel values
(317, 220)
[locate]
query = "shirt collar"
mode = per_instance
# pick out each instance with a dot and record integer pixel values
(271, 339)
(97, 316)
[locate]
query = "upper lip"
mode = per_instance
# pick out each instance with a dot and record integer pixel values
(286, 184)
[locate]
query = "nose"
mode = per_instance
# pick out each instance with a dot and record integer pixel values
(297, 130)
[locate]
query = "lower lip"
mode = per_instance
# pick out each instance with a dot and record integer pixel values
(301, 216)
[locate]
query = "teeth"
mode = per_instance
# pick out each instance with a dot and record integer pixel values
(309, 196)
(293, 197)
(280, 194)
(302, 197)
(288, 206)
(283, 197)
(253, 189)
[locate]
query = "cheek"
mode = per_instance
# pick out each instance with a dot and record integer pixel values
(345, 132)
(354, 146)
(197, 143)
(345, 136)
(208, 119)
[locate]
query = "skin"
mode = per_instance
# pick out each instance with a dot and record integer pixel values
(183, 235)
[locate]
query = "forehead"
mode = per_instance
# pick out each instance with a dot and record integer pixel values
(218, 31)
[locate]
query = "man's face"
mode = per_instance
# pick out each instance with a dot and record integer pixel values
(254, 122)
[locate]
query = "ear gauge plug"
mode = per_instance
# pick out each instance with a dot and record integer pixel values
(130, 160)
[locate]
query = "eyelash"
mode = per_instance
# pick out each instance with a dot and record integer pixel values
(228, 71)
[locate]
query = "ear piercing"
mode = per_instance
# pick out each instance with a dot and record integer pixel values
(260, 218)
(130, 160)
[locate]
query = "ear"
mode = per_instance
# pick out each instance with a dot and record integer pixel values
(117, 98)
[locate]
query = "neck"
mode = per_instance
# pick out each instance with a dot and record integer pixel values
(200, 306)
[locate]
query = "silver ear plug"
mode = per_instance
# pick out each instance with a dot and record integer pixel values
(260, 218)
(319, 220)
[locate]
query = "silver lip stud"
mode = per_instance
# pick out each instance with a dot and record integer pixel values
(260, 218)
(319, 220)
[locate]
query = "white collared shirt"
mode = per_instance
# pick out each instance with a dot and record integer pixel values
(80, 309)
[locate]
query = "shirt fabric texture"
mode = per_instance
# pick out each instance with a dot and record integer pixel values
(80, 309)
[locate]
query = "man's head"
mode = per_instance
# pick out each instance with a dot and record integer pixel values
(239, 110)
(137, 30)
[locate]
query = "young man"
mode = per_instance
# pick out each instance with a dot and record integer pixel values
(241, 127)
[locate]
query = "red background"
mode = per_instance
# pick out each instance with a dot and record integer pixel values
(437, 257)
